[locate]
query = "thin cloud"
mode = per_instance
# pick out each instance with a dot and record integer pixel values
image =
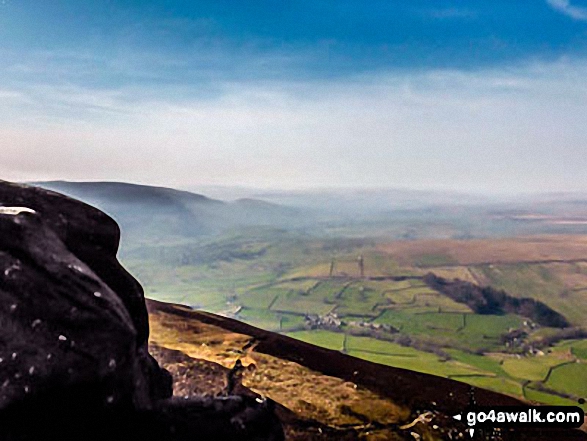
(565, 6)
(449, 13)
(9, 94)
(490, 130)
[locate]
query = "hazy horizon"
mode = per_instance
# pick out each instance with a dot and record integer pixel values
(234, 192)
(482, 99)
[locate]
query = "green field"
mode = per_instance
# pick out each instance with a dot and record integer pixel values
(492, 326)
(543, 397)
(423, 362)
(570, 378)
(530, 368)
(485, 363)
(326, 339)
(367, 344)
(499, 384)
(262, 318)
(295, 303)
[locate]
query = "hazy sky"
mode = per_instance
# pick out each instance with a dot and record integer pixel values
(470, 95)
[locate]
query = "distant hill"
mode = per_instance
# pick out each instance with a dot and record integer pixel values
(163, 213)
(251, 202)
(155, 214)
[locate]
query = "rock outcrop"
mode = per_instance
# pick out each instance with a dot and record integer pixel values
(74, 362)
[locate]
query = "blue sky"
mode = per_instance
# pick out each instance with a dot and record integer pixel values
(482, 96)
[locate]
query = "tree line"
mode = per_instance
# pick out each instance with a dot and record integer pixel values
(488, 300)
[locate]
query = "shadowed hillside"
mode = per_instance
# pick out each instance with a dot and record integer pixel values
(164, 213)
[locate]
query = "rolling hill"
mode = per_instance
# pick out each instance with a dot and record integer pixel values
(148, 213)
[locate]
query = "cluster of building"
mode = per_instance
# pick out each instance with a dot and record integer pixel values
(328, 321)
(332, 321)
(374, 326)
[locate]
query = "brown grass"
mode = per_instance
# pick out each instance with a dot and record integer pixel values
(485, 251)
(312, 395)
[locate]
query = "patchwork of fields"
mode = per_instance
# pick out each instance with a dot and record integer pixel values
(312, 291)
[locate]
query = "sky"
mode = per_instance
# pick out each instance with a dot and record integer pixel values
(482, 96)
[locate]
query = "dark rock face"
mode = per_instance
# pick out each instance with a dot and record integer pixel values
(74, 327)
